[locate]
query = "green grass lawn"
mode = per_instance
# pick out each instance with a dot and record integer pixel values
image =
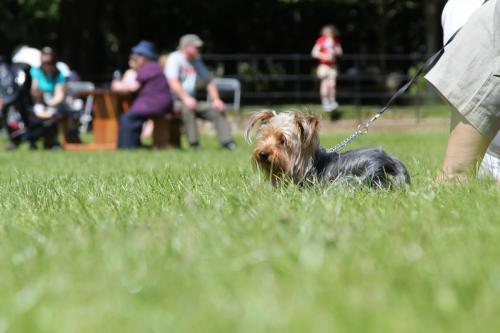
(197, 242)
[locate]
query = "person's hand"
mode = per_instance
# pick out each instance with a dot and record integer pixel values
(219, 105)
(48, 115)
(116, 85)
(50, 103)
(42, 112)
(190, 102)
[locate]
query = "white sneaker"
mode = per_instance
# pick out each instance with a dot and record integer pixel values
(331, 106)
(326, 105)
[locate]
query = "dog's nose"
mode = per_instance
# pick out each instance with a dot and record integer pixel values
(263, 155)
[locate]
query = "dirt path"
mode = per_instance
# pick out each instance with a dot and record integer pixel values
(388, 124)
(382, 125)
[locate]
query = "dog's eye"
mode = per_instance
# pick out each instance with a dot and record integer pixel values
(283, 140)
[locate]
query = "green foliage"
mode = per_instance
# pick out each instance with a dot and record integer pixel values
(94, 37)
(392, 5)
(45, 9)
(196, 242)
(21, 17)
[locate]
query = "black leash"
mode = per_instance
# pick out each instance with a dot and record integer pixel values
(424, 69)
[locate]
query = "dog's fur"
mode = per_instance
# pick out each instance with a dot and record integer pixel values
(288, 149)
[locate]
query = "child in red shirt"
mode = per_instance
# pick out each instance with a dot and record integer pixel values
(327, 49)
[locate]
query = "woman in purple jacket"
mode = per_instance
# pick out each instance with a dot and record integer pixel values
(153, 98)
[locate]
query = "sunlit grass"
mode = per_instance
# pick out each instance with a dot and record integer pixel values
(176, 241)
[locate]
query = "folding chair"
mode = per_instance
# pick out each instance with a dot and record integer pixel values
(77, 88)
(230, 85)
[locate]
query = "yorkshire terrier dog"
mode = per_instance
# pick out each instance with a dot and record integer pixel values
(288, 149)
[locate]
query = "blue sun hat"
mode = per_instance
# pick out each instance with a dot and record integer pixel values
(147, 49)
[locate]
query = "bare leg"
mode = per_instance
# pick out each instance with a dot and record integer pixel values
(147, 129)
(325, 91)
(466, 148)
(332, 91)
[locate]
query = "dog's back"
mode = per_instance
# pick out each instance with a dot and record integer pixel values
(372, 166)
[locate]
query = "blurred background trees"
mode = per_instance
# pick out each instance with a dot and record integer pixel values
(95, 36)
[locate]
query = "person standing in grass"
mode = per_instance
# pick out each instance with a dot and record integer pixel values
(455, 15)
(184, 70)
(153, 98)
(326, 50)
(468, 77)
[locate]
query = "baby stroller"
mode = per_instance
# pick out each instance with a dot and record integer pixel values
(16, 112)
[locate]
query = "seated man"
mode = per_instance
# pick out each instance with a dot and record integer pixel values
(183, 69)
(153, 98)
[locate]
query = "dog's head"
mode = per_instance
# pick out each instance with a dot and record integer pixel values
(285, 143)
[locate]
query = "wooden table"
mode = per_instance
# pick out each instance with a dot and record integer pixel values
(108, 107)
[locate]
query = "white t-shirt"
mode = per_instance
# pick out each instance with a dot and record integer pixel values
(187, 72)
(455, 14)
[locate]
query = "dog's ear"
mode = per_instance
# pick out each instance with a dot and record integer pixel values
(313, 123)
(258, 119)
(308, 127)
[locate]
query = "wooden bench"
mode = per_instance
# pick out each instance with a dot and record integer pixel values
(108, 107)
(167, 132)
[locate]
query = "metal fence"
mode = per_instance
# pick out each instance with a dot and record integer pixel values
(290, 78)
(364, 79)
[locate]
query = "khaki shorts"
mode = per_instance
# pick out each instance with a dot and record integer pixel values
(468, 74)
(326, 72)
